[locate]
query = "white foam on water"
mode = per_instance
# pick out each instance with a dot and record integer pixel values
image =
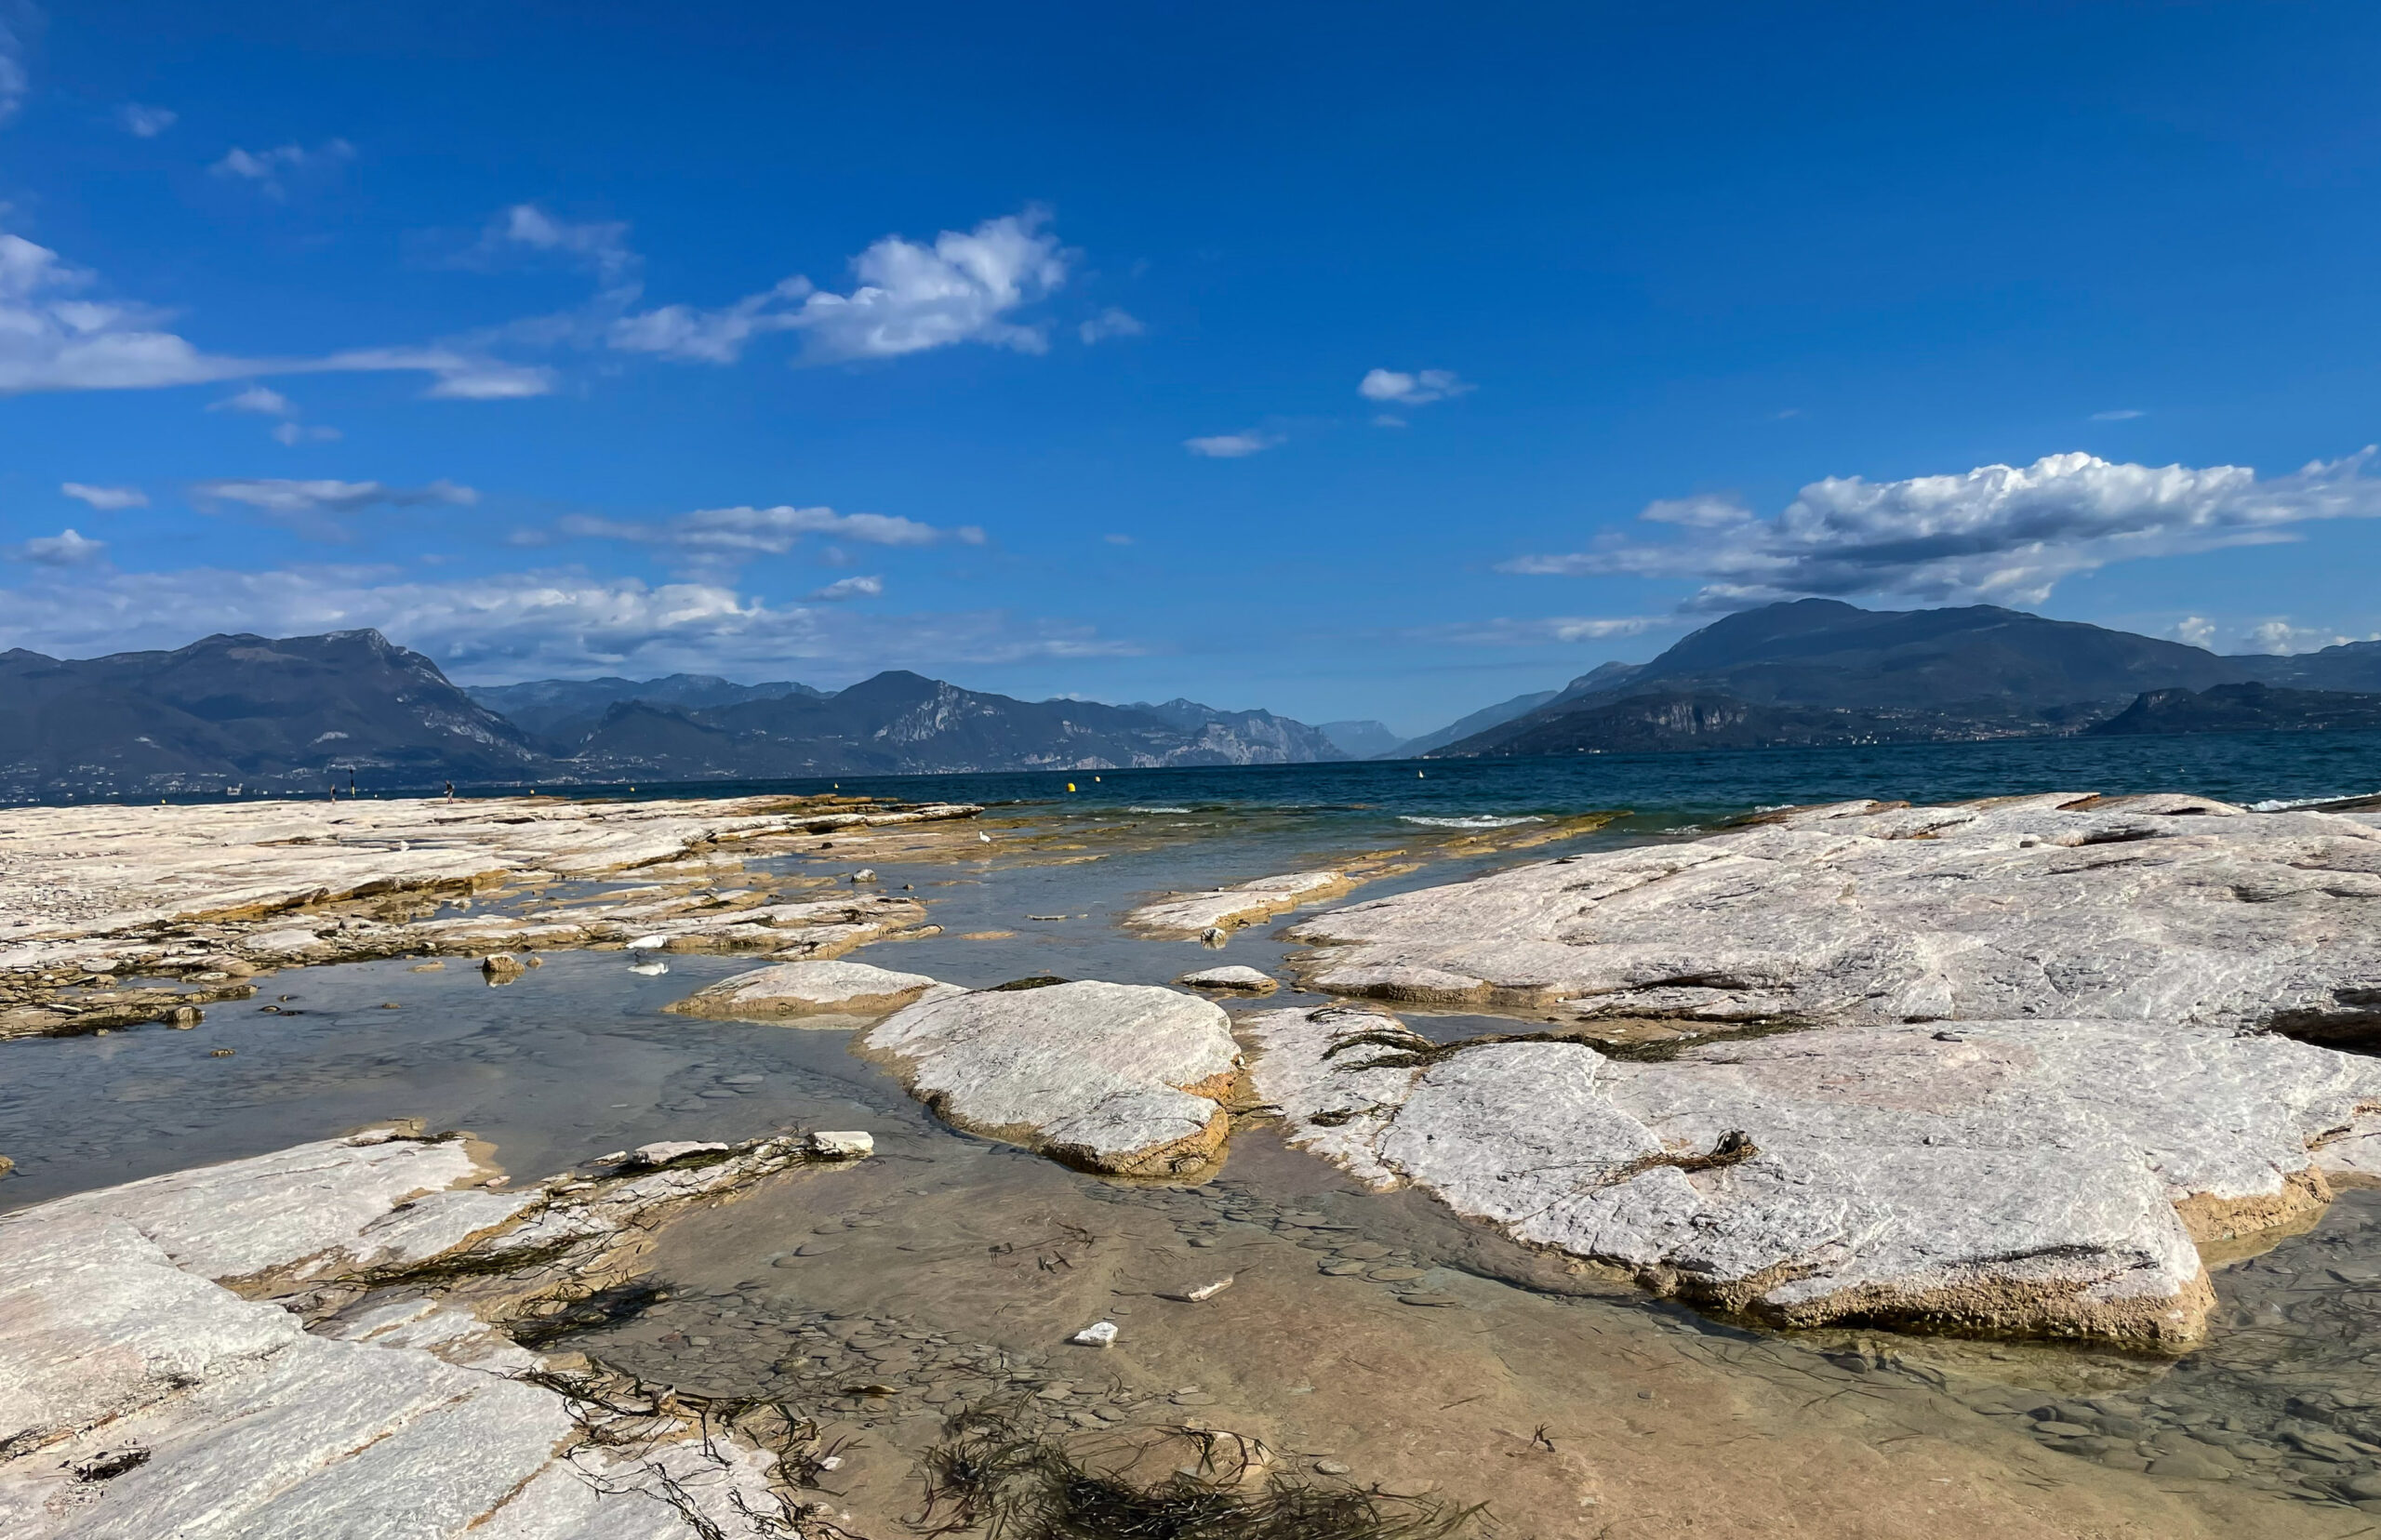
(1157, 810)
(1476, 820)
(2283, 804)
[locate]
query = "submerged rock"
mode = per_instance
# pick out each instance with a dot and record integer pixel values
(2035, 1177)
(1122, 1078)
(306, 1344)
(2167, 909)
(842, 989)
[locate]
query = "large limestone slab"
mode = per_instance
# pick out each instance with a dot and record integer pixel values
(2152, 908)
(139, 1396)
(1230, 908)
(1121, 1078)
(2044, 1177)
(840, 991)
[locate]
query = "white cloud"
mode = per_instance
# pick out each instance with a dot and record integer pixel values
(1118, 540)
(294, 433)
(270, 171)
(1234, 445)
(1997, 534)
(2280, 636)
(520, 625)
(64, 548)
(851, 587)
(692, 334)
(106, 500)
(734, 534)
(1108, 322)
(144, 122)
(1502, 633)
(2194, 631)
(52, 340)
(2123, 415)
(1419, 389)
(255, 398)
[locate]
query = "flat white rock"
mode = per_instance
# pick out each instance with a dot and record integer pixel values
(2167, 909)
(1229, 909)
(2046, 1177)
(807, 988)
(1122, 1078)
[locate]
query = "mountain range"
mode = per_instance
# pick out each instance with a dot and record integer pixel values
(1817, 671)
(301, 714)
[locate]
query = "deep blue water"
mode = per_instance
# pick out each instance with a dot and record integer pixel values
(2242, 767)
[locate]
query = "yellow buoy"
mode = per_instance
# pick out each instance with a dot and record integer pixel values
(1070, 786)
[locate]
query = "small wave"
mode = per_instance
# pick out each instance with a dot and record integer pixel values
(1477, 820)
(1157, 810)
(2283, 804)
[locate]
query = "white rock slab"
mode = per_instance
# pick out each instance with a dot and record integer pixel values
(1120, 1078)
(1230, 908)
(797, 990)
(2043, 1177)
(1235, 977)
(2164, 909)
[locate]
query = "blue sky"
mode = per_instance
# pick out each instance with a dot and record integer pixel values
(1378, 360)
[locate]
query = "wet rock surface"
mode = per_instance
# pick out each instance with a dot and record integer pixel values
(2049, 1178)
(1119, 1077)
(2165, 907)
(1245, 904)
(844, 991)
(321, 1340)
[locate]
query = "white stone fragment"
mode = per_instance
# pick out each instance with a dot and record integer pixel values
(1099, 1334)
(843, 1145)
(1109, 1077)
(1235, 977)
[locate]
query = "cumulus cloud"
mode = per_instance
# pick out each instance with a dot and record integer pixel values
(2194, 631)
(515, 625)
(1108, 322)
(738, 534)
(1998, 534)
(53, 338)
(106, 500)
(2278, 636)
(1393, 386)
(145, 122)
(1502, 633)
(851, 587)
(1234, 445)
(64, 548)
(272, 171)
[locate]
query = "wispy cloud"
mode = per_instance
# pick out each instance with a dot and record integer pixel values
(272, 171)
(64, 548)
(1997, 534)
(516, 625)
(730, 535)
(255, 398)
(1501, 633)
(106, 500)
(53, 338)
(1234, 445)
(1108, 322)
(294, 433)
(851, 587)
(323, 510)
(2122, 415)
(145, 122)
(1396, 387)
(15, 80)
